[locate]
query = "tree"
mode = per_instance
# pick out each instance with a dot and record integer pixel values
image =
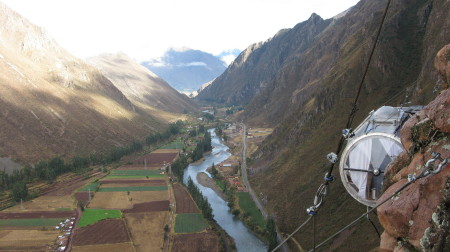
(270, 227)
(214, 171)
(19, 191)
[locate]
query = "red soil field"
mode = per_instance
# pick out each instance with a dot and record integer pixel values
(157, 182)
(68, 186)
(102, 232)
(37, 214)
(156, 158)
(200, 242)
(154, 206)
(140, 167)
(185, 204)
(83, 196)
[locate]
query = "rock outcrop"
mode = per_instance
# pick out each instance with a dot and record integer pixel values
(419, 216)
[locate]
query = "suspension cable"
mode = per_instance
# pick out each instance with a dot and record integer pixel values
(293, 233)
(428, 170)
(355, 103)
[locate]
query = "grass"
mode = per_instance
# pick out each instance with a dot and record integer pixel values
(190, 223)
(40, 222)
(174, 145)
(91, 216)
(63, 209)
(92, 187)
(133, 188)
(247, 205)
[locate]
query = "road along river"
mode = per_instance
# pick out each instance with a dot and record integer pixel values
(245, 240)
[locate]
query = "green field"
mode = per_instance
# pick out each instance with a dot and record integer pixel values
(133, 188)
(190, 223)
(174, 145)
(91, 216)
(90, 187)
(247, 205)
(29, 222)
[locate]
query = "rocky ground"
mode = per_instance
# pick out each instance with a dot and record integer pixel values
(206, 181)
(418, 218)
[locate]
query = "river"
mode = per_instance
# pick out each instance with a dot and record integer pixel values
(245, 240)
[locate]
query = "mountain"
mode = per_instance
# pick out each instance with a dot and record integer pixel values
(306, 93)
(54, 104)
(229, 55)
(186, 69)
(256, 66)
(141, 85)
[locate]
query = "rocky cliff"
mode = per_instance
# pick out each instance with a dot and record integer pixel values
(419, 217)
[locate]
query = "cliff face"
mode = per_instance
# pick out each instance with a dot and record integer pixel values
(419, 218)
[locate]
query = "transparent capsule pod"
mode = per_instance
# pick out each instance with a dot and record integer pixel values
(371, 147)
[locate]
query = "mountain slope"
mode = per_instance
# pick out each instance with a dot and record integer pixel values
(52, 103)
(310, 100)
(187, 69)
(141, 85)
(308, 97)
(257, 66)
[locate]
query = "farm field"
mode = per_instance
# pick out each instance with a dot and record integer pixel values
(90, 187)
(102, 232)
(39, 222)
(146, 230)
(190, 223)
(157, 158)
(129, 182)
(26, 240)
(204, 242)
(184, 201)
(113, 247)
(121, 200)
(91, 216)
(153, 206)
(132, 188)
(44, 203)
(247, 204)
(36, 214)
(144, 173)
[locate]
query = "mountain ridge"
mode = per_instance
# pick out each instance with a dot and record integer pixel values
(54, 104)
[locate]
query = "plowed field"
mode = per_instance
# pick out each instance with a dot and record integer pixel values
(184, 202)
(37, 214)
(154, 206)
(156, 158)
(102, 232)
(200, 242)
(147, 230)
(133, 182)
(115, 247)
(123, 200)
(26, 240)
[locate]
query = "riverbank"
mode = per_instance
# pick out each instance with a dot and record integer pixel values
(204, 180)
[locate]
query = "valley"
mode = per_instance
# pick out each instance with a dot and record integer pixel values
(103, 154)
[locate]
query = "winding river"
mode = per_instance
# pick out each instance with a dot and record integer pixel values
(245, 240)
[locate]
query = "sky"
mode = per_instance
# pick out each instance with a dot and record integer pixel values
(145, 29)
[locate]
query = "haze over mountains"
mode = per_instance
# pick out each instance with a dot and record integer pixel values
(303, 81)
(53, 103)
(187, 69)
